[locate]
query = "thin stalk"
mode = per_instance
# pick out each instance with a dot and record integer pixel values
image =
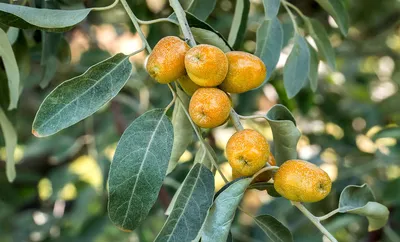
(159, 20)
(180, 14)
(284, 3)
(106, 7)
(173, 99)
(252, 116)
(268, 168)
(235, 120)
(295, 9)
(328, 215)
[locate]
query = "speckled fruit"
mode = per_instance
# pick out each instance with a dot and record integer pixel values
(209, 107)
(245, 72)
(302, 181)
(188, 85)
(167, 61)
(247, 152)
(206, 65)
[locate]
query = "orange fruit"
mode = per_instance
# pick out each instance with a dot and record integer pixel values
(247, 152)
(188, 85)
(245, 72)
(206, 65)
(302, 181)
(209, 107)
(167, 61)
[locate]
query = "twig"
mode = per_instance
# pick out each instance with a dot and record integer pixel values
(328, 215)
(106, 7)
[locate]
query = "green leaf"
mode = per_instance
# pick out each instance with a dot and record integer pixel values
(138, 168)
(10, 137)
(203, 155)
(220, 217)
(12, 34)
(12, 71)
(239, 23)
(191, 206)
(313, 74)
(337, 10)
(22, 55)
(82, 96)
(360, 200)
(271, 8)
(392, 132)
(51, 20)
(183, 133)
(297, 67)
(269, 43)
(275, 230)
(269, 187)
(202, 8)
(285, 133)
(321, 38)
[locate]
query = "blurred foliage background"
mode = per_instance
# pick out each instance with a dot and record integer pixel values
(60, 191)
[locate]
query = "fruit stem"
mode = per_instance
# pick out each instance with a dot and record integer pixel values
(235, 120)
(180, 14)
(269, 168)
(314, 220)
(104, 8)
(328, 215)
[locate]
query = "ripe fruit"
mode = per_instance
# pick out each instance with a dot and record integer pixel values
(302, 181)
(263, 177)
(209, 107)
(245, 72)
(206, 65)
(167, 61)
(188, 85)
(247, 152)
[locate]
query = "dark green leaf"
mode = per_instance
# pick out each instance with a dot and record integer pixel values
(275, 230)
(51, 20)
(392, 132)
(269, 43)
(269, 187)
(313, 74)
(10, 137)
(285, 133)
(138, 168)
(191, 206)
(297, 67)
(288, 33)
(239, 23)
(320, 36)
(337, 10)
(22, 55)
(201, 8)
(81, 96)
(220, 217)
(12, 71)
(271, 8)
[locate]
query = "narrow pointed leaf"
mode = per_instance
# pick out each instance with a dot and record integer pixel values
(191, 206)
(138, 168)
(220, 217)
(297, 67)
(239, 23)
(285, 133)
(269, 43)
(12, 71)
(336, 9)
(10, 137)
(82, 96)
(313, 74)
(51, 20)
(275, 230)
(202, 8)
(271, 8)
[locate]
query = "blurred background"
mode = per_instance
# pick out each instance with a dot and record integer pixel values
(60, 191)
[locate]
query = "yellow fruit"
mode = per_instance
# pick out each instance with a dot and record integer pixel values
(245, 72)
(247, 152)
(188, 85)
(209, 107)
(167, 61)
(263, 177)
(302, 181)
(206, 65)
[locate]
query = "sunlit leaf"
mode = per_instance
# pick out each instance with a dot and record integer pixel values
(275, 230)
(239, 23)
(10, 137)
(201, 8)
(392, 132)
(271, 8)
(337, 10)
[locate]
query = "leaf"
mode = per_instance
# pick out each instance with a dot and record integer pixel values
(10, 137)
(360, 200)
(337, 10)
(269, 187)
(203, 155)
(201, 8)
(284, 132)
(297, 67)
(183, 134)
(22, 55)
(321, 38)
(138, 168)
(12, 34)
(191, 206)
(51, 20)
(392, 132)
(82, 96)
(271, 8)
(269, 43)
(313, 74)
(220, 217)
(173, 201)
(12, 71)
(275, 230)
(239, 23)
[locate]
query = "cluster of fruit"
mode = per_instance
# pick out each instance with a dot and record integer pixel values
(207, 74)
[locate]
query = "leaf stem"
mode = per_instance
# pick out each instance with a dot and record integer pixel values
(159, 20)
(314, 220)
(328, 215)
(252, 116)
(285, 4)
(235, 120)
(106, 7)
(295, 9)
(173, 99)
